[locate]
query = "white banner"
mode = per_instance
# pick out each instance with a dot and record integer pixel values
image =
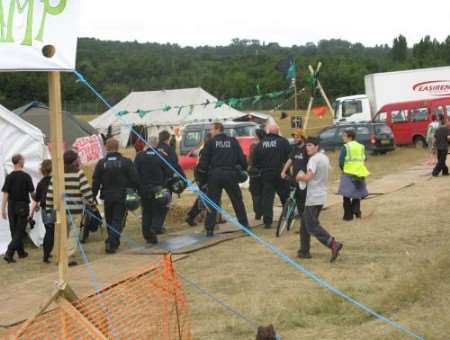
(38, 35)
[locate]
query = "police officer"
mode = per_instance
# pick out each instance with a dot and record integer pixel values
(112, 176)
(153, 173)
(352, 185)
(298, 159)
(16, 206)
(168, 151)
(220, 157)
(270, 156)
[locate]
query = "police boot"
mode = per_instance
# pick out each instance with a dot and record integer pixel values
(348, 211)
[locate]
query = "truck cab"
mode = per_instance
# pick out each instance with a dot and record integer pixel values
(352, 109)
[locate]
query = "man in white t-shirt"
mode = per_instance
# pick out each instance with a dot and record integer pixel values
(317, 179)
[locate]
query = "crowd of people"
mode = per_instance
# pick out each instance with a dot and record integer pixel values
(274, 166)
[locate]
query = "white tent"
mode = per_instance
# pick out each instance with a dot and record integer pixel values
(18, 136)
(156, 121)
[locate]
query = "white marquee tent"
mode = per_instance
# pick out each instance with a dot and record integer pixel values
(18, 136)
(156, 121)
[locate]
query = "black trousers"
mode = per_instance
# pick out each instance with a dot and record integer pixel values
(198, 205)
(272, 184)
(257, 194)
(49, 238)
(310, 225)
(352, 206)
(440, 165)
(114, 215)
(153, 217)
(218, 180)
(300, 199)
(18, 213)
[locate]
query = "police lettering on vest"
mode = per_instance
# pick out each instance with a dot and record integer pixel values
(269, 144)
(223, 144)
(112, 162)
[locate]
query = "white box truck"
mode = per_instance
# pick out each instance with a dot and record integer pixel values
(392, 87)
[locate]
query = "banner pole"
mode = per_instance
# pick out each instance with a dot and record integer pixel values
(56, 134)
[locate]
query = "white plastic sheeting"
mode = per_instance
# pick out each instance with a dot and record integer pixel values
(18, 136)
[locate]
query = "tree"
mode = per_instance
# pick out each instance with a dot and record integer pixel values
(399, 49)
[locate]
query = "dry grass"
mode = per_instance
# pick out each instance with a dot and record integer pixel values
(395, 260)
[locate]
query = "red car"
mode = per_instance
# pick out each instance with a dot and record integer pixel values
(190, 160)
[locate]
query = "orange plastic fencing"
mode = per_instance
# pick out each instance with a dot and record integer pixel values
(148, 305)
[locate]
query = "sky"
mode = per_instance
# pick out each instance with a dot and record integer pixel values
(213, 22)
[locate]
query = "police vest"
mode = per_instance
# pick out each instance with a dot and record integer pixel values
(354, 160)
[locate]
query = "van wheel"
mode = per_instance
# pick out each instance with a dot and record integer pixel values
(419, 142)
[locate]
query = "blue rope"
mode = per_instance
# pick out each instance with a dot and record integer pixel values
(185, 278)
(267, 245)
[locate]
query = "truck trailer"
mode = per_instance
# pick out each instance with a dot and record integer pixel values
(392, 87)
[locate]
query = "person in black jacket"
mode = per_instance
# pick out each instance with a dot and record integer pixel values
(440, 141)
(16, 206)
(298, 159)
(269, 157)
(40, 203)
(112, 176)
(168, 151)
(219, 160)
(153, 173)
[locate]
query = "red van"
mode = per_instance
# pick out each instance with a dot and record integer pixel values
(409, 120)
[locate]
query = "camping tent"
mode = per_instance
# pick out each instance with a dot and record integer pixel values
(38, 114)
(18, 136)
(168, 119)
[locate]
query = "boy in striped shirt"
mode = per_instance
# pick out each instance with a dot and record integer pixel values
(76, 190)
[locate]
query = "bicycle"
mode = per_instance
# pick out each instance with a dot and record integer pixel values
(288, 212)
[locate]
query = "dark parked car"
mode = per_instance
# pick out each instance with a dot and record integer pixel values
(376, 137)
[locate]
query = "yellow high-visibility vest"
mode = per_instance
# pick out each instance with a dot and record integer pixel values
(354, 160)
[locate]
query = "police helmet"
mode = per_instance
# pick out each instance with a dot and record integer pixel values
(177, 185)
(163, 197)
(91, 219)
(132, 201)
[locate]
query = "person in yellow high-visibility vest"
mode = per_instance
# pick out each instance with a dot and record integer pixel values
(352, 185)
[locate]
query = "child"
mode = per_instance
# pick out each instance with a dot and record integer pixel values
(39, 202)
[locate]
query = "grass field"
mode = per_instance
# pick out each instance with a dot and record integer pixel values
(396, 260)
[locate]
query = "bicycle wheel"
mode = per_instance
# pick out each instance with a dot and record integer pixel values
(286, 217)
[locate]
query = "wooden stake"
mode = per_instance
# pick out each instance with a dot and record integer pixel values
(76, 315)
(42, 308)
(308, 112)
(56, 133)
(325, 97)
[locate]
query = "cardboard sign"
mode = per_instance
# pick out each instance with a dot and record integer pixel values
(89, 149)
(38, 35)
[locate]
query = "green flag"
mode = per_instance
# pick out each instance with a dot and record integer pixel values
(292, 71)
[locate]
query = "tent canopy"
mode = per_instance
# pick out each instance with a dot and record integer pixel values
(38, 114)
(18, 136)
(167, 119)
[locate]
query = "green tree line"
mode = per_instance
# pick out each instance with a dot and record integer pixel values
(116, 68)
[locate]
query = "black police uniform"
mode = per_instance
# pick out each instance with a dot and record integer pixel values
(270, 156)
(299, 159)
(170, 154)
(153, 173)
(19, 186)
(112, 176)
(256, 186)
(219, 159)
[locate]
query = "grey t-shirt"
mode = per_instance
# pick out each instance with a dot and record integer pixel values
(317, 186)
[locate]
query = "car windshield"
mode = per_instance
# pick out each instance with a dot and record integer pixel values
(249, 130)
(382, 129)
(192, 138)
